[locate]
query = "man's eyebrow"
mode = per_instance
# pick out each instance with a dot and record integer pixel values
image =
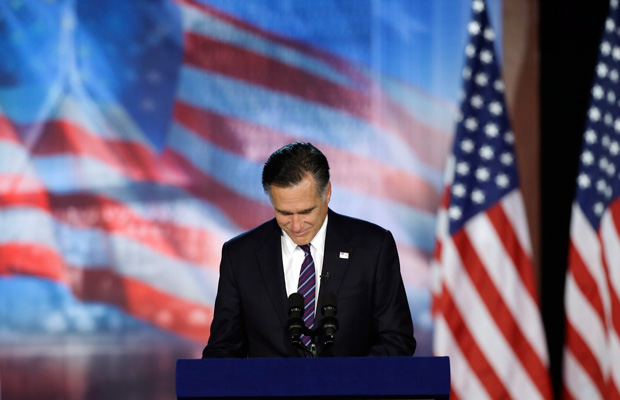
(306, 211)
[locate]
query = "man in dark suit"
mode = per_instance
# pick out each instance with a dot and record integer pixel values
(355, 260)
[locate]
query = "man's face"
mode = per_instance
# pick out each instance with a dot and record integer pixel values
(300, 212)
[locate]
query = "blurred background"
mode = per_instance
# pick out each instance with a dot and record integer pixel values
(133, 134)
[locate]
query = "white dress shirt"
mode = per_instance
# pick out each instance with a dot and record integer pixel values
(293, 256)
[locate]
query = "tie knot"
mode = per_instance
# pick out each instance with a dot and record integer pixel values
(305, 248)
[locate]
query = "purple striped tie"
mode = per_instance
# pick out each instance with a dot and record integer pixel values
(307, 288)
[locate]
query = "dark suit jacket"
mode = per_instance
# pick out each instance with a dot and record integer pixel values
(251, 315)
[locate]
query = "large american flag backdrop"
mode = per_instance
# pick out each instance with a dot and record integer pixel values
(485, 297)
(132, 137)
(591, 366)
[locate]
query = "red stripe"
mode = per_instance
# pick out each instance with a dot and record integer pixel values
(7, 131)
(239, 63)
(470, 348)
(31, 259)
(612, 390)
(302, 47)
(188, 319)
(614, 210)
(566, 394)
(132, 159)
(501, 314)
(519, 257)
(584, 280)
(89, 211)
(584, 356)
(256, 143)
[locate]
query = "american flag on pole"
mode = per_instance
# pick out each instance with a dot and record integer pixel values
(591, 368)
(486, 310)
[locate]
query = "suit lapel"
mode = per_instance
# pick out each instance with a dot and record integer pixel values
(338, 252)
(272, 271)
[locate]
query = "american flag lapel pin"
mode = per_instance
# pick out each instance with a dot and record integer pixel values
(344, 254)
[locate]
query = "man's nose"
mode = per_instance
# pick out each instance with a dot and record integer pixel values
(296, 223)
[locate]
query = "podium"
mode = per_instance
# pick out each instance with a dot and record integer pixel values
(286, 378)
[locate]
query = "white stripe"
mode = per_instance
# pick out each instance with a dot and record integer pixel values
(584, 319)
(506, 279)
(301, 119)
(577, 381)
(587, 244)
(17, 226)
(611, 245)
(205, 24)
(513, 207)
(483, 328)
(463, 380)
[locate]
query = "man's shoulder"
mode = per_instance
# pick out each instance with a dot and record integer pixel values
(256, 235)
(355, 226)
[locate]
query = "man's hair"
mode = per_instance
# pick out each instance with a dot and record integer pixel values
(288, 166)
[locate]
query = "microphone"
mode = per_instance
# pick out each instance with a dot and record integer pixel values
(329, 325)
(296, 323)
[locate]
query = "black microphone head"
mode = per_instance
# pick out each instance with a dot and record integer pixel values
(328, 303)
(295, 303)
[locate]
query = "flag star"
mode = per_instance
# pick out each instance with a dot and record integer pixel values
(616, 53)
(486, 56)
(482, 79)
(478, 196)
(486, 152)
(482, 174)
(599, 208)
(597, 92)
(610, 25)
(502, 180)
(611, 169)
(583, 181)
(478, 5)
(459, 190)
(605, 48)
(462, 168)
(614, 148)
(489, 34)
(603, 163)
(613, 75)
(506, 158)
(587, 158)
(454, 212)
(594, 114)
(609, 119)
(476, 101)
(491, 130)
(509, 137)
(591, 135)
(470, 50)
(473, 28)
(495, 108)
(611, 97)
(498, 85)
(614, 4)
(616, 128)
(601, 186)
(471, 124)
(467, 145)
(601, 70)
(466, 73)
(609, 192)
(605, 141)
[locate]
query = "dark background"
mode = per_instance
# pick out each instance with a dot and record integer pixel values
(570, 32)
